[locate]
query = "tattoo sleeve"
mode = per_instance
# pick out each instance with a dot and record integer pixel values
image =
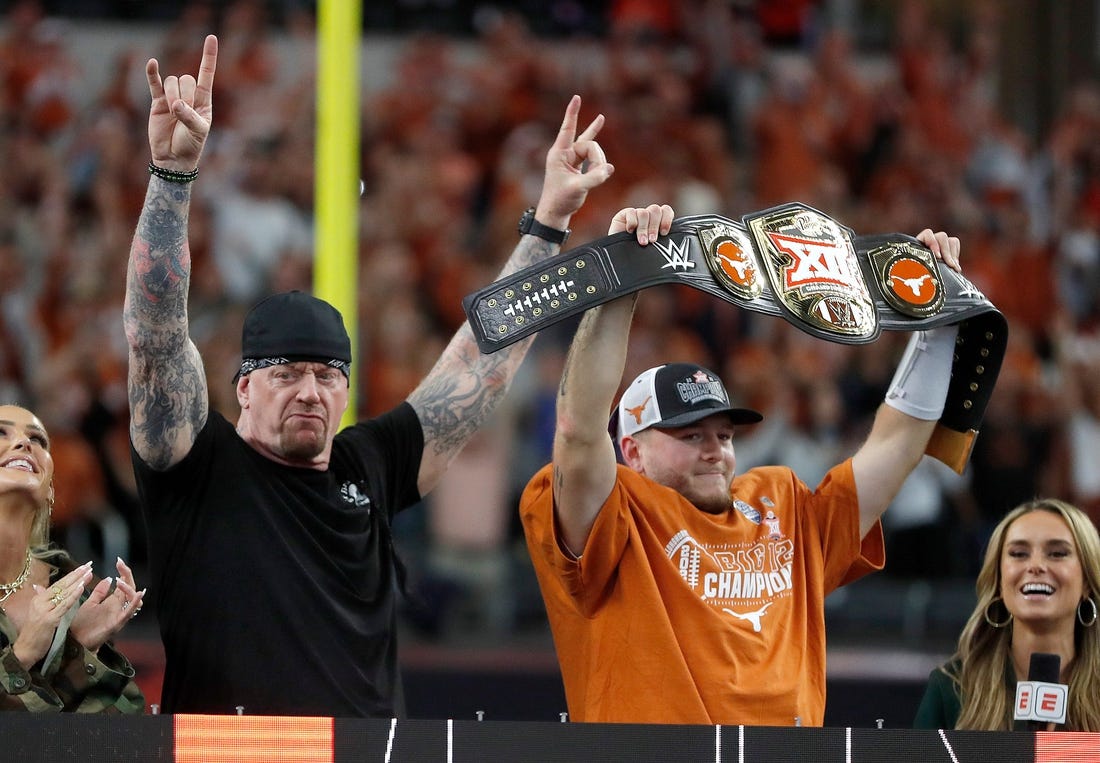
(166, 380)
(465, 386)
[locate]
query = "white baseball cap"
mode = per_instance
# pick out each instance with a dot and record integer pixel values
(675, 395)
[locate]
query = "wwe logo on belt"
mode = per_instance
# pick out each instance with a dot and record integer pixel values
(677, 254)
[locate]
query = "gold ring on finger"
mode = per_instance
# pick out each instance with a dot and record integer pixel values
(56, 590)
(56, 599)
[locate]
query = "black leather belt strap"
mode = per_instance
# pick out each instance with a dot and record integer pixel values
(790, 261)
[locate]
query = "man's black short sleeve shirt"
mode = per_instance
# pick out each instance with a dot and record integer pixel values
(275, 586)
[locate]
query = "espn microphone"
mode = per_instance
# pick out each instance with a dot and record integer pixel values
(1041, 700)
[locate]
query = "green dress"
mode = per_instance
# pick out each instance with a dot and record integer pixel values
(940, 706)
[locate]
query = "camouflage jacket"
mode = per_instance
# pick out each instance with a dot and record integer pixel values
(75, 680)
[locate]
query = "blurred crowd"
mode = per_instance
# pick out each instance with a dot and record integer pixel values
(712, 106)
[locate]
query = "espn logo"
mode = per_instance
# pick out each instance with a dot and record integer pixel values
(1039, 701)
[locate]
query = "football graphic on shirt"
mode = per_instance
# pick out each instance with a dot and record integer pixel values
(743, 580)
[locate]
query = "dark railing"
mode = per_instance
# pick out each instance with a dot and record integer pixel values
(231, 738)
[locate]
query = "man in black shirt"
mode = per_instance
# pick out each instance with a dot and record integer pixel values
(269, 541)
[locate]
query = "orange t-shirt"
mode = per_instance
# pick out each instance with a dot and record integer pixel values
(673, 615)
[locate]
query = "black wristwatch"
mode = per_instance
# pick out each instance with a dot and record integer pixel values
(528, 224)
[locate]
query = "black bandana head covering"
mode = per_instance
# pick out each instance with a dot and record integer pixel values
(291, 327)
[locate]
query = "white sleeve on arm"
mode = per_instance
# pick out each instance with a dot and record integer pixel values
(919, 386)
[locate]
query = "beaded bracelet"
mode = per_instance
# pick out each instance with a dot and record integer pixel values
(173, 176)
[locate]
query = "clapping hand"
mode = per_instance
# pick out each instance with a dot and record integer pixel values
(107, 609)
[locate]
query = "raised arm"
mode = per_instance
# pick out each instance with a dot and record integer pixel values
(167, 385)
(914, 402)
(584, 455)
(465, 386)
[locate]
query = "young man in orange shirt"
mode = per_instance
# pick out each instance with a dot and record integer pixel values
(677, 592)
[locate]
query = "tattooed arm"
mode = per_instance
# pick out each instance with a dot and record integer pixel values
(166, 381)
(463, 389)
(584, 456)
(167, 385)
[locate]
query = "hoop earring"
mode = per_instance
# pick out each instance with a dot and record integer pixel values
(1092, 620)
(990, 620)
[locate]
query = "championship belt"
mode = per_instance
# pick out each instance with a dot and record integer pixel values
(790, 261)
